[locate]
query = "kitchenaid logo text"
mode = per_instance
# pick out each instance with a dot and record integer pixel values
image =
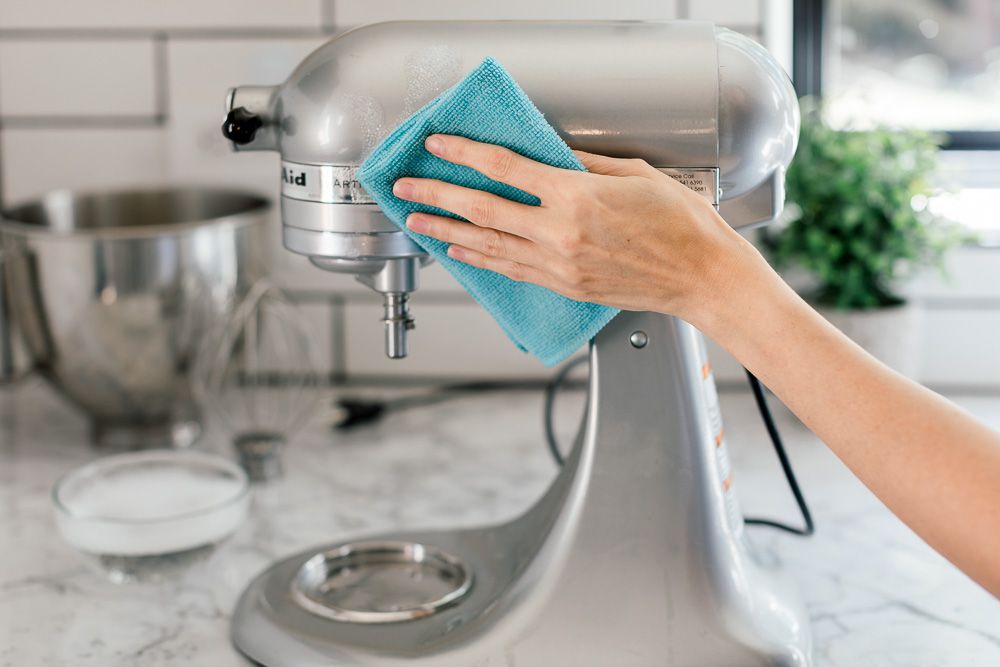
(329, 183)
(291, 177)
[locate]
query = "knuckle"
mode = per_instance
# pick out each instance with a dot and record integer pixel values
(515, 272)
(428, 194)
(455, 150)
(499, 163)
(440, 232)
(582, 287)
(572, 275)
(493, 243)
(571, 242)
(482, 211)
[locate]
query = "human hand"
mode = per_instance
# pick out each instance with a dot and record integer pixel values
(623, 234)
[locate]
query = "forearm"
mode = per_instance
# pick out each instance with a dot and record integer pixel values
(627, 235)
(936, 467)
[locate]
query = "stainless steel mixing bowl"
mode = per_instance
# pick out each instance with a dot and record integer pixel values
(112, 292)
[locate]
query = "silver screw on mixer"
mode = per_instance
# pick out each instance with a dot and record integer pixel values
(638, 339)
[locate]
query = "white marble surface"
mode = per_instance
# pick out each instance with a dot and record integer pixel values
(877, 596)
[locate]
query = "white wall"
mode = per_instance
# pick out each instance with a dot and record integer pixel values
(108, 93)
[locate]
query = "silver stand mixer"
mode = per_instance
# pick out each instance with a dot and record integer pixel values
(636, 555)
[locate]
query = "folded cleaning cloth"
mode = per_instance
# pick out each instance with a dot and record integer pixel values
(487, 106)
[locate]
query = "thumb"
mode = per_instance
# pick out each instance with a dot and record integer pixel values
(613, 166)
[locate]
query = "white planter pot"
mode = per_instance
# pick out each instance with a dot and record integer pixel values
(892, 335)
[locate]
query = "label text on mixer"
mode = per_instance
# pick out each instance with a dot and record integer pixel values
(289, 176)
(322, 183)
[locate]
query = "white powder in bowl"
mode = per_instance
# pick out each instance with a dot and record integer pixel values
(151, 503)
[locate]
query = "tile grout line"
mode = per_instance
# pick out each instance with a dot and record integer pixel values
(161, 72)
(762, 27)
(2, 204)
(122, 34)
(81, 122)
(328, 17)
(338, 340)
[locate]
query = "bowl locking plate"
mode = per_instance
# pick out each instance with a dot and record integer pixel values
(380, 582)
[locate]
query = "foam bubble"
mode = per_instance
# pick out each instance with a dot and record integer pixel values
(370, 119)
(429, 72)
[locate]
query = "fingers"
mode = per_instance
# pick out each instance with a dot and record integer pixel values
(481, 208)
(512, 256)
(613, 166)
(516, 271)
(496, 162)
(489, 242)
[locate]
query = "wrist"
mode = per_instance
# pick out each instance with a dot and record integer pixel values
(736, 288)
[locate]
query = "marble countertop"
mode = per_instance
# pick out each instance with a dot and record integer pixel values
(877, 596)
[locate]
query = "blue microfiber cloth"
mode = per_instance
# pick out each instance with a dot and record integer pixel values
(487, 106)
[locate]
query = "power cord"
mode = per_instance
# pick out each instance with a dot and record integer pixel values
(354, 412)
(786, 466)
(552, 388)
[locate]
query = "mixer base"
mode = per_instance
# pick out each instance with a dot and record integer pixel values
(634, 557)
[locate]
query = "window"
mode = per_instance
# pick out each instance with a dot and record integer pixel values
(927, 64)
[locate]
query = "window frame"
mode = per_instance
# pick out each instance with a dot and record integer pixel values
(809, 22)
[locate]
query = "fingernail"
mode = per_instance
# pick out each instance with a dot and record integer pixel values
(456, 253)
(415, 224)
(402, 189)
(435, 144)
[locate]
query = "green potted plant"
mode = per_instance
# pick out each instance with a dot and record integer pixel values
(858, 223)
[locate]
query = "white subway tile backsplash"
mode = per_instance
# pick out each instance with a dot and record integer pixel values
(450, 340)
(726, 12)
(435, 278)
(38, 160)
(159, 14)
(354, 12)
(317, 319)
(200, 71)
(109, 78)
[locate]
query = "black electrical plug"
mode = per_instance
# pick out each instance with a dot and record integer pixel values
(353, 412)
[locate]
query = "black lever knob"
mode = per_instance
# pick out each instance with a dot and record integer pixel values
(241, 126)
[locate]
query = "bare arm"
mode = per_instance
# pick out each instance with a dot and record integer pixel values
(628, 236)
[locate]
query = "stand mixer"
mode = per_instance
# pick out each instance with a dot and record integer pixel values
(636, 554)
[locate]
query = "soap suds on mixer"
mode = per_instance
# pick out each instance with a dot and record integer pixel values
(429, 72)
(370, 117)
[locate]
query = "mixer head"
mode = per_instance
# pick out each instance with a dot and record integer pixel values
(705, 105)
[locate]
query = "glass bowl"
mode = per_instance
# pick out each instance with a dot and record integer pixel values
(146, 516)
